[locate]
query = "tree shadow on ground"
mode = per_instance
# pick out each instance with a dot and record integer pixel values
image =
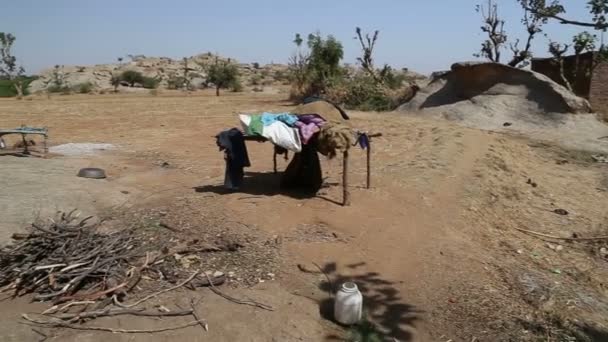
(259, 184)
(382, 302)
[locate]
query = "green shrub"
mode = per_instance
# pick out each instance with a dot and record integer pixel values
(223, 74)
(150, 82)
(59, 89)
(255, 79)
(280, 76)
(392, 79)
(362, 93)
(84, 88)
(132, 77)
(237, 86)
(7, 88)
(175, 82)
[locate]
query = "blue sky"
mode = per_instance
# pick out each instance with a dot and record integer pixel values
(424, 35)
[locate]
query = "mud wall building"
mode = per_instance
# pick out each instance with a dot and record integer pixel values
(587, 81)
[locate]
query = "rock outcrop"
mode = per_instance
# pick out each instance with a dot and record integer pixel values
(500, 98)
(495, 87)
(161, 68)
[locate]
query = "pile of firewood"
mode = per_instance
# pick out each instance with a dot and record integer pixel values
(69, 263)
(67, 256)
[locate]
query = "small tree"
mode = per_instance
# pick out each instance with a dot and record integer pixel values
(115, 82)
(8, 63)
(383, 77)
(324, 62)
(186, 76)
(150, 82)
(581, 43)
(298, 65)
(533, 24)
(555, 10)
(493, 26)
(132, 77)
(58, 82)
(223, 74)
(313, 72)
(558, 51)
(367, 45)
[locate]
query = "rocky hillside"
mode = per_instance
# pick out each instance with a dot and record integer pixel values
(165, 70)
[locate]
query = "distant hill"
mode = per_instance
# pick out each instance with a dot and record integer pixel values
(161, 68)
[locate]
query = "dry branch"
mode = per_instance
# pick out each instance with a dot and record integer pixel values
(60, 324)
(203, 322)
(118, 312)
(238, 301)
(157, 293)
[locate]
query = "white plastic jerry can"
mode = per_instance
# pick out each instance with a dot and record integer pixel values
(349, 304)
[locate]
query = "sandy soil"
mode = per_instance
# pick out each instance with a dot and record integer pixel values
(434, 244)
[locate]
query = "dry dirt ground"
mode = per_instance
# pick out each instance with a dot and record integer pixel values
(434, 245)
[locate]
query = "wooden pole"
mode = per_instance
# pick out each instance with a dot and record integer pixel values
(26, 150)
(345, 192)
(369, 162)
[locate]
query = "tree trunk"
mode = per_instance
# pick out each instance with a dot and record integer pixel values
(562, 75)
(515, 61)
(217, 90)
(19, 88)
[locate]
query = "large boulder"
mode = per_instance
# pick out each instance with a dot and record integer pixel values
(500, 98)
(495, 91)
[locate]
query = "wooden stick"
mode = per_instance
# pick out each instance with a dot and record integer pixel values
(91, 296)
(119, 312)
(56, 308)
(329, 282)
(369, 162)
(159, 292)
(561, 238)
(25, 148)
(237, 301)
(345, 191)
(60, 324)
(203, 322)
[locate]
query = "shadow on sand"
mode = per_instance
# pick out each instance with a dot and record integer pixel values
(266, 184)
(382, 303)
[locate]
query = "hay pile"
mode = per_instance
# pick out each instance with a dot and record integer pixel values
(334, 138)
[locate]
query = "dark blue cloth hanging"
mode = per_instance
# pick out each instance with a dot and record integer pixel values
(363, 140)
(232, 143)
